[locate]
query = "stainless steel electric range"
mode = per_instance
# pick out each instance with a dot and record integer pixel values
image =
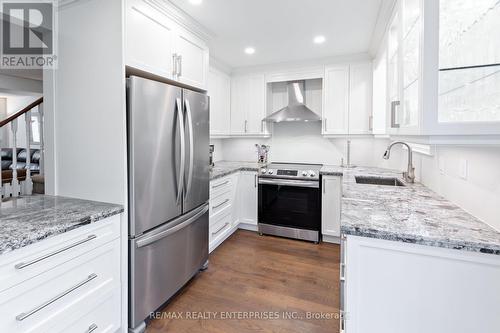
(290, 201)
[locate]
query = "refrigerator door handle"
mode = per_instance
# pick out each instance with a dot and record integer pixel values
(180, 182)
(179, 223)
(191, 148)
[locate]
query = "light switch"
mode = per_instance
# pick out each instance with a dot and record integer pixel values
(463, 168)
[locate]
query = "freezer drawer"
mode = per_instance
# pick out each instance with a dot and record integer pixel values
(163, 260)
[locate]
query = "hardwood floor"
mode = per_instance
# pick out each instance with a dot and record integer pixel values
(259, 276)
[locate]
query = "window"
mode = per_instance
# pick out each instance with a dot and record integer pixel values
(469, 61)
(35, 128)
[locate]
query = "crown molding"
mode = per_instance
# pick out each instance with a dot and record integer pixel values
(384, 14)
(182, 18)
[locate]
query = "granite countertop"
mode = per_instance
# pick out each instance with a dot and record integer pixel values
(225, 168)
(331, 170)
(27, 220)
(410, 214)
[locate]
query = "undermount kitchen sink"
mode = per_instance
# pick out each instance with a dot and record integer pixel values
(389, 181)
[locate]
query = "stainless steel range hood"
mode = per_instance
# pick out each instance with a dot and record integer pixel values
(296, 110)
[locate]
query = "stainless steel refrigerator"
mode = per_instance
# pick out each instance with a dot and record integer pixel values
(168, 150)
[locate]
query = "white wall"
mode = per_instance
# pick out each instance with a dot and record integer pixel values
(218, 154)
(90, 145)
(303, 142)
(479, 192)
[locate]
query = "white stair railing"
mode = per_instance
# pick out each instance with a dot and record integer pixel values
(41, 162)
(21, 183)
(28, 183)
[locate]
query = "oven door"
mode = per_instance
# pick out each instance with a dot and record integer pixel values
(290, 203)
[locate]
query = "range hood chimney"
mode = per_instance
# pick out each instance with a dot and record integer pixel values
(296, 110)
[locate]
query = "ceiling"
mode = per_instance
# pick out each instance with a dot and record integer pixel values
(283, 30)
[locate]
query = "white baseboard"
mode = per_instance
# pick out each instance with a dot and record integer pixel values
(248, 226)
(331, 239)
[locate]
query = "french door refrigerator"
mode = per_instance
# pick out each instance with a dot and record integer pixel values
(168, 170)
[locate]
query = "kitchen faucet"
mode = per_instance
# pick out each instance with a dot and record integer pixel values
(409, 175)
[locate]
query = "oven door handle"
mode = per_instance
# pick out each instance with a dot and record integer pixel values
(287, 182)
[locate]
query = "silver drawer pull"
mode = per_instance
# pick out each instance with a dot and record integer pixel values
(22, 265)
(221, 204)
(342, 272)
(24, 315)
(220, 229)
(221, 184)
(92, 328)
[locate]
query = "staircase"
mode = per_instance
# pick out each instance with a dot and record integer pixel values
(23, 167)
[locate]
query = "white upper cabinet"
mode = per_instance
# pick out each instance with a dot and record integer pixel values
(150, 39)
(360, 99)
(347, 93)
(248, 105)
(380, 93)
(469, 67)
(442, 68)
(219, 90)
(158, 45)
(336, 100)
(192, 59)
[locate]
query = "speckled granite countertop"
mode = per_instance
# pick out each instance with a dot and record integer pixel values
(331, 170)
(411, 214)
(225, 168)
(27, 220)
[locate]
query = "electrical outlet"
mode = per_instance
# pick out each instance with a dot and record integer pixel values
(463, 168)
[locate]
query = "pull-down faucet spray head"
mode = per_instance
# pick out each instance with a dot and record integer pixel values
(409, 175)
(387, 154)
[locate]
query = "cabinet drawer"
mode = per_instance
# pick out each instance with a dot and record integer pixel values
(62, 294)
(104, 317)
(221, 185)
(32, 260)
(220, 226)
(220, 203)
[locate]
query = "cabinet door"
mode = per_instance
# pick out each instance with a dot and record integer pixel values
(257, 101)
(219, 85)
(239, 104)
(360, 99)
(213, 93)
(247, 197)
(379, 102)
(193, 62)
(336, 100)
(225, 104)
(394, 72)
(149, 39)
(331, 202)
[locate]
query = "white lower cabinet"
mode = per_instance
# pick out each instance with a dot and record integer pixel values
(233, 205)
(247, 200)
(330, 208)
(67, 283)
(394, 287)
